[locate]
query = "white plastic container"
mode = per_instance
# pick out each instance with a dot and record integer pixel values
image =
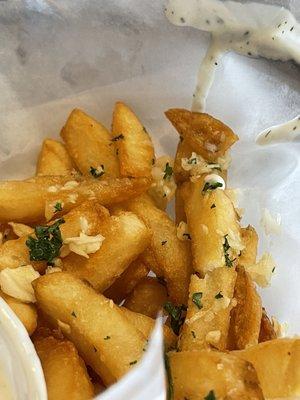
(19, 364)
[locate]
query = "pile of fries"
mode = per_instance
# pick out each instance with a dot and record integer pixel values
(89, 257)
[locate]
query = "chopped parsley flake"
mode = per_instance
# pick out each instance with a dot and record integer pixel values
(226, 247)
(47, 244)
(213, 205)
(196, 299)
(176, 314)
(219, 296)
(133, 362)
(58, 207)
(168, 171)
(96, 172)
(107, 338)
(211, 186)
(192, 161)
(95, 350)
(273, 270)
(193, 334)
(119, 137)
(210, 396)
(73, 314)
(163, 242)
(187, 235)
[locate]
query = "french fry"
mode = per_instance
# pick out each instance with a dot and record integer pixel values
(54, 159)
(15, 253)
(267, 331)
(135, 148)
(146, 325)
(210, 375)
(184, 150)
(172, 256)
(179, 207)
(90, 145)
(277, 363)
(148, 258)
(25, 312)
(65, 373)
(208, 136)
(106, 340)
(213, 226)
(245, 318)
(250, 241)
(148, 297)
(24, 201)
(208, 316)
(121, 288)
(126, 236)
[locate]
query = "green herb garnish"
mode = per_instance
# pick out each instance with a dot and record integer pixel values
(226, 247)
(211, 186)
(168, 171)
(192, 161)
(193, 334)
(196, 299)
(96, 173)
(133, 362)
(177, 315)
(210, 396)
(47, 244)
(213, 205)
(73, 314)
(119, 137)
(107, 338)
(163, 242)
(219, 296)
(58, 207)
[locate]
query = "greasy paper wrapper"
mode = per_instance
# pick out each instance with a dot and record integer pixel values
(57, 55)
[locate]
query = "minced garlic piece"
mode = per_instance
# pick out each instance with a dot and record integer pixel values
(271, 224)
(182, 231)
(20, 230)
(51, 270)
(53, 189)
(16, 282)
(210, 147)
(261, 272)
(83, 244)
(65, 328)
(235, 241)
(84, 225)
(213, 337)
(163, 185)
(70, 185)
(72, 198)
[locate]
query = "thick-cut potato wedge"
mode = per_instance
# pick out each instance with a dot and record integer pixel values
(65, 373)
(25, 312)
(90, 144)
(15, 253)
(123, 286)
(196, 374)
(210, 217)
(54, 159)
(208, 315)
(135, 148)
(245, 318)
(277, 363)
(250, 241)
(146, 325)
(24, 201)
(267, 331)
(209, 137)
(104, 337)
(148, 297)
(171, 255)
(126, 236)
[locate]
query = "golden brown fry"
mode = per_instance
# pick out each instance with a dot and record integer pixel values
(179, 207)
(65, 373)
(20, 230)
(121, 288)
(135, 148)
(90, 145)
(184, 150)
(146, 325)
(198, 374)
(24, 201)
(54, 159)
(25, 312)
(172, 256)
(208, 315)
(250, 241)
(15, 253)
(208, 136)
(277, 363)
(101, 333)
(245, 317)
(211, 219)
(267, 331)
(126, 236)
(148, 297)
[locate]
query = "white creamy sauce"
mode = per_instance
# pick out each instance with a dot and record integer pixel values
(5, 390)
(252, 29)
(285, 132)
